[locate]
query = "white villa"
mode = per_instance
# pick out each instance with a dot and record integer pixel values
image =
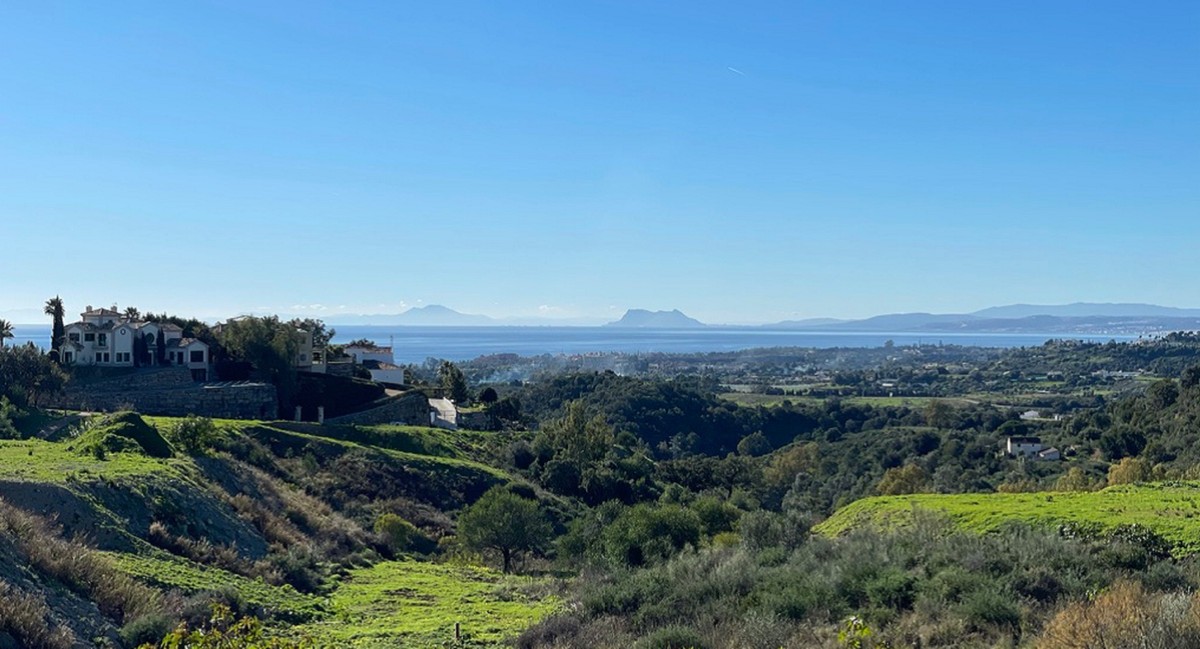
(373, 353)
(105, 337)
(1032, 448)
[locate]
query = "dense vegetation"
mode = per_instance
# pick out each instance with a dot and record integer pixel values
(671, 511)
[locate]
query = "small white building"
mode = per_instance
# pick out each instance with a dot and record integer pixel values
(1049, 455)
(1023, 446)
(373, 353)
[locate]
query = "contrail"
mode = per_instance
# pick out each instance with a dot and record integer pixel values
(735, 70)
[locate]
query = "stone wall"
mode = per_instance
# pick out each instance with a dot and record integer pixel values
(172, 392)
(410, 408)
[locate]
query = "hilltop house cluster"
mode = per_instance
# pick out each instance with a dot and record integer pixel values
(107, 338)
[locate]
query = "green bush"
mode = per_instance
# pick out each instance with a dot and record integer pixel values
(147, 629)
(672, 637)
(398, 533)
(194, 434)
(991, 607)
(892, 589)
(649, 533)
(121, 433)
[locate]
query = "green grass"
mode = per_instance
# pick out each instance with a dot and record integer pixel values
(176, 572)
(415, 604)
(1170, 509)
(39, 461)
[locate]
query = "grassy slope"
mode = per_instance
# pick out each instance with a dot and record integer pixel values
(1170, 509)
(54, 462)
(390, 604)
(415, 604)
(167, 570)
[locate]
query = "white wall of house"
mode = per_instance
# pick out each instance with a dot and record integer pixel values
(1020, 447)
(361, 354)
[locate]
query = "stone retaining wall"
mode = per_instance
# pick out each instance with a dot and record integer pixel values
(171, 392)
(410, 408)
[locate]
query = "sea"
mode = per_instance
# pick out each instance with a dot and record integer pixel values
(412, 344)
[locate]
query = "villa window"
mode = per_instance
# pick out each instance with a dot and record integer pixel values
(103, 340)
(198, 356)
(89, 338)
(73, 337)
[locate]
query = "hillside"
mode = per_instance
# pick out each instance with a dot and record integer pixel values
(273, 519)
(1171, 510)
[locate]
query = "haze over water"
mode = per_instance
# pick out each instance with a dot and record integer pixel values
(415, 344)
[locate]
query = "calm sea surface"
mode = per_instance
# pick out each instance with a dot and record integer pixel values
(415, 344)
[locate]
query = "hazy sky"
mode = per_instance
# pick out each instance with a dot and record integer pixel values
(748, 161)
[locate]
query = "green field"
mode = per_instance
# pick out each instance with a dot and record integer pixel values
(175, 572)
(756, 399)
(1171, 509)
(35, 460)
(415, 604)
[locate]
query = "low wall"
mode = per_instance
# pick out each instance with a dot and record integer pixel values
(171, 392)
(410, 408)
(235, 401)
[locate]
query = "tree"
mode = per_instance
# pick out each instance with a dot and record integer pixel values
(26, 374)
(488, 396)
(647, 533)
(320, 334)
(270, 346)
(1130, 470)
(754, 445)
(1075, 479)
(132, 313)
(504, 522)
(909, 479)
(360, 342)
(55, 309)
(6, 331)
(160, 347)
(454, 383)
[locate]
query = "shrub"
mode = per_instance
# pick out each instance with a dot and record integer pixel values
(990, 607)
(672, 637)
(194, 434)
(398, 533)
(645, 533)
(892, 589)
(1126, 615)
(147, 629)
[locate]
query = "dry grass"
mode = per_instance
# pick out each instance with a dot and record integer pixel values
(27, 619)
(78, 567)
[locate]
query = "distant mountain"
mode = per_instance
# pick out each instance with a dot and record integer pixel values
(656, 320)
(436, 315)
(1087, 310)
(907, 322)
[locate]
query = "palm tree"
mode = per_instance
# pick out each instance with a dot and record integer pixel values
(6, 331)
(132, 314)
(54, 309)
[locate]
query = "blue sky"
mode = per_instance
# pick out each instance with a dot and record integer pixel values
(743, 162)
